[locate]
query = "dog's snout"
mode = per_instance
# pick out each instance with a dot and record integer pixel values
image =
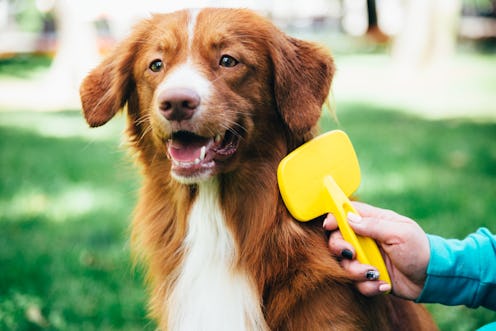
(178, 104)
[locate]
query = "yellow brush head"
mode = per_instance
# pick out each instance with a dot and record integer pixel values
(301, 174)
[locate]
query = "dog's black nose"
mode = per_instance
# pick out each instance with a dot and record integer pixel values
(178, 104)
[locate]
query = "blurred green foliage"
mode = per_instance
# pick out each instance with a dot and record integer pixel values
(28, 17)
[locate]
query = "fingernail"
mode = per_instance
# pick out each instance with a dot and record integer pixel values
(325, 223)
(372, 275)
(354, 217)
(384, 288)
(347, 254)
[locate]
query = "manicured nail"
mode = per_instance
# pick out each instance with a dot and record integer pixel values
(354, 217)
(347, 254)
(325, 223)
(372, 275)
(384, 288)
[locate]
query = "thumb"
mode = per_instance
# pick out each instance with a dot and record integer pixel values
(372, 227)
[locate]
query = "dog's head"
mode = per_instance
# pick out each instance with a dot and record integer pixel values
(208, 88)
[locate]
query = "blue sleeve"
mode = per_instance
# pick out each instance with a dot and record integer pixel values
(462, 272)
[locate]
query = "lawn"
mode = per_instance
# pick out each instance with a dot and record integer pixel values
(65, 201)
(67, 192)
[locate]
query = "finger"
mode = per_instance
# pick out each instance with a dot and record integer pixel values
(366, 210)
(330, 222)
(372, 288)
(379, 229)
(359, 272)
(340, 247)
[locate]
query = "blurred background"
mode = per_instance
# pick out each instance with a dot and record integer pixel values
(415, 89)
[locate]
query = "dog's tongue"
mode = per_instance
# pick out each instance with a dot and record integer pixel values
(187, 147)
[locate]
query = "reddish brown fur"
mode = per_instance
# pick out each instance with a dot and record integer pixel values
(277, 97)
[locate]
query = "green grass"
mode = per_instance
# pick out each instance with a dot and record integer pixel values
(66, 195)
(65, 201)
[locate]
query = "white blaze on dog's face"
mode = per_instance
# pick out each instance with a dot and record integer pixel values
(179, 100)
(202, 84)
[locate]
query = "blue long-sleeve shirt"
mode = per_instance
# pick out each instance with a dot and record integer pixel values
(462, 272)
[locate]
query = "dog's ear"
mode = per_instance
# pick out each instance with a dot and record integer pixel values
(303, 72)
(107, 87)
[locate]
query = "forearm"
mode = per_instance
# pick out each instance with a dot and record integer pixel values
(462, 272)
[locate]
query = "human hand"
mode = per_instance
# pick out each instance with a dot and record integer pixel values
(403, 243)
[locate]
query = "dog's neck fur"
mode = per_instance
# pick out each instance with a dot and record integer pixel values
(211, 293)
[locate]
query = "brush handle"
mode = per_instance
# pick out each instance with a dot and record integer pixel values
(366, 248)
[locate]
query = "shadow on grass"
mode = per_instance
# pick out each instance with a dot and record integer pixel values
(66, 200)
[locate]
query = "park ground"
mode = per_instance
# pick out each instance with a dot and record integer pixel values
(426, 142)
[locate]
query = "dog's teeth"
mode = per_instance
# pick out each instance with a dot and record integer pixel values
(181, 163)
(197, 161)
(203, 152)
(217, 138)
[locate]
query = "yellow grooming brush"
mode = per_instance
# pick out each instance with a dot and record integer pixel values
(317, 178)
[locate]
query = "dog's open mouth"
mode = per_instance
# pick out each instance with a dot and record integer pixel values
(192, 154)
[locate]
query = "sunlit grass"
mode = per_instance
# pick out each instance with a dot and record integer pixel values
(61, 207)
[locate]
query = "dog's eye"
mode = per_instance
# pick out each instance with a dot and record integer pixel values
(228, 61)
(156, 65)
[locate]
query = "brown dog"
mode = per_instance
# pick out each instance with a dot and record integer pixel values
(215, 99)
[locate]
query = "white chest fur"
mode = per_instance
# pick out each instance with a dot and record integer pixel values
(209, 293)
